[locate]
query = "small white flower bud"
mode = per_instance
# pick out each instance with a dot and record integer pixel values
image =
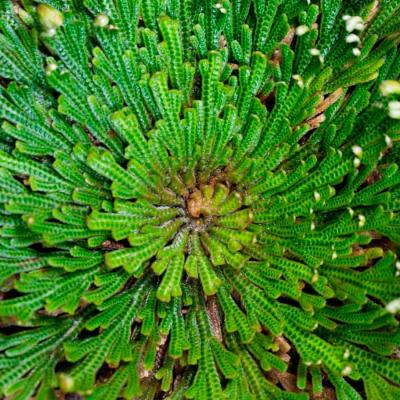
(314, 52)
(394, 109)
(50, 33)
(49, 17)
(352, 38)
(347, 370)
(394, 306)
(301, 30)
(299, 80)
(354, 23)
(389, 87)
(388, 141)
(50, 68)
(101, 20)
(356, 51)
(357, 150)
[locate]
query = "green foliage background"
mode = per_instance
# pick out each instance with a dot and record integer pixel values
(199, 199)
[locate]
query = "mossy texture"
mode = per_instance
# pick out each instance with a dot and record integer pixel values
(200, 199)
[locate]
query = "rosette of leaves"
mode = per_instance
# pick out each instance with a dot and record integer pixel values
(199, 199)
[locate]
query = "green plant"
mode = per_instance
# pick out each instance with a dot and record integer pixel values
(199, 199)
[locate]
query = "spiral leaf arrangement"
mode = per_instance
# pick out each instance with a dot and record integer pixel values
(199, 199)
